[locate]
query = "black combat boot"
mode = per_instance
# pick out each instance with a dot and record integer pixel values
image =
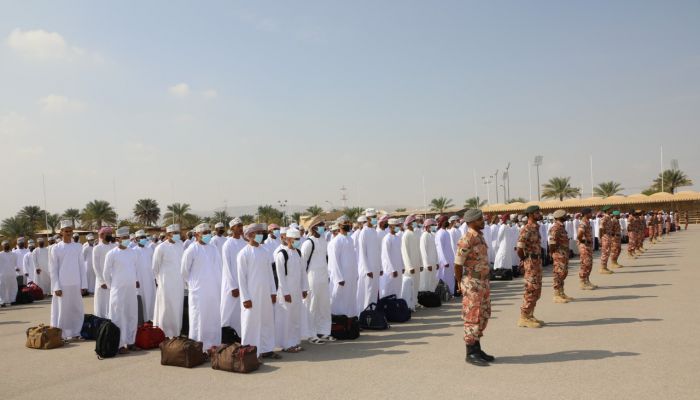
(485, 356)
(474, 357)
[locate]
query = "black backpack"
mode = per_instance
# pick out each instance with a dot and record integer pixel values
(344, 327)
(443, 291)
(395, 309)
(373, 318)
(23, 297)
(502, 274)
(286, 258)
(107, 344)
(229, 335)
(429, 299)
(91, 326)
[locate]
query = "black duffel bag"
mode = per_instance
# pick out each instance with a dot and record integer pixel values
(395, 309)
(502, 274)
(229, 335)
(373, 318)
(429, 299)
(344, 327)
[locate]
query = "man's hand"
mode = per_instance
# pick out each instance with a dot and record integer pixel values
(395, 274)
(430, 268)
(413, 271)
(138, 285)
(38, 271)
(341, 283)
(304, 293)
(421, 269)
(371, 275)
(16, 269)
(58, 293)
(235, 293)
(103, 286)
(274, 298)
(381, 273)
(248, 304)
(288, 298)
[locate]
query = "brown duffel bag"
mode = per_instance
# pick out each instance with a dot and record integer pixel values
(235, 358)
(181, 352)
(44, 337)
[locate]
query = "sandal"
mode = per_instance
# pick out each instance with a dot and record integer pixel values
(293, 349)
(123, 350)
(315, 340)
(328, 338)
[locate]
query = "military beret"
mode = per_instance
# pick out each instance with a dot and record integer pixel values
(473, 214)
(616, 212)
(605, 208)
(532, 209)
(559, 214)
(586, 210)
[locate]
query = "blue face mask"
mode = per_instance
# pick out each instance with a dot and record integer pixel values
(374, 221)
(206, 238)
(276, 232)
(143, 242)
(176, 237)
(433, 229)
(258, 238)
(321, 230)
(297, 244)
(126, 242)
(414, 225)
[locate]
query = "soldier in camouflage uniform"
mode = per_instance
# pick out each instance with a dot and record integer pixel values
(616, 247)
(530, 254)
(632, 228)
(651, 225)
(606, 239)
(559, 249)
(472, 274)
(584, 237)
(641, 235)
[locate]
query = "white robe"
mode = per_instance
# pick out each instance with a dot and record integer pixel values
(101, 300)
(167, 313)
(446, 258)
(410, 252)
(87, 265)
(369, 260)
(19, 261)
(147, 291)
(492, 243)
(342, 264)
(288, 316)
(40, 261)
(503, 251)
(318, 302)
(201, 269)
(68, 276)
(28, 266)
(392, 262)
(231, 306)
(8, 277)
(257, 284)
(271, 244)
(429, 257)
(121, 275)
(218, 242)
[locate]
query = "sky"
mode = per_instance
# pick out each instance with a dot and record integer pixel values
(242, 103)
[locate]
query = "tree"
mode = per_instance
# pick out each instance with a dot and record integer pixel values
(54, 221)
(559, 187)
(147, 212)
(247, 219)
(295, 217)
(516, 200)
(179, 213)
(400, 210)
(15, 227)
(98, 213)
(269, 214)
(607, 189)
(440, 204)
(672, 180)
(474, 202)
(221, 216)
(353, 213)
(650, 191)
(314, 210)
(72, 214)
(34, 214)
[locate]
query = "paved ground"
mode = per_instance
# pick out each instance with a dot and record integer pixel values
(635, 338)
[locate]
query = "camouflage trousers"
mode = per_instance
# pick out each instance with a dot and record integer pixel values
(560, 270)
(632, 242)
(616, 248)
(640, 240)
(586, 256)
(533, 285)
(476, 307)
(605, 247)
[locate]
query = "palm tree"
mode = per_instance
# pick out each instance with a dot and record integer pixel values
(559, 187)
(269, 214)
(295, 217)
(180, 213)
(34, 214)
(440, 204)
(146, 212)
(221, 216)
(516, 200)
(72, 214)
(672, 180)
(474, 202)
(54, 221)
(314, 210)
(97, 213)
(353, 212)
(15, 227)
(247, 219)
(607, 189)
(649, 191)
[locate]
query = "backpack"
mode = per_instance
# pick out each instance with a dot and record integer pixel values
(149, 336)
(429, 299)
(313, 247)
(235, 358)
(344, 327)
(502, 274)
(373, 318)
(229, 335)
(395, 309)
(286, 258)
(23, 297)
(443, 291)
(91, 326)
(107, 344)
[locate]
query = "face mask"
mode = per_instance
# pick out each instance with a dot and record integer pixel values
(433, 229)
(321, 230)
(414, 225)
(374, 221)
(176, 237)
(259, 238)
(276, 232)
(143, 242)
(126, 242)
(206, 238)
(297, 244)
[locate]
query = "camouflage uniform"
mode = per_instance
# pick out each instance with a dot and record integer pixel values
(641, 228)
(559, 238)
(585, 248)
(616, 247)
(606, 239)
(529, 241)
(632, 234)
(475, 285)
(652, 228)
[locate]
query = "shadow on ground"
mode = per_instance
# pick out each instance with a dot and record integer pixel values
(563, 356)
(601, 321)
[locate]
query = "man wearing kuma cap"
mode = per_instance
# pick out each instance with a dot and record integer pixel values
(392, 261)
(219, 238)
(230, 291)
(167, 313)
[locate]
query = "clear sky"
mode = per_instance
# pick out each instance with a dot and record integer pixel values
(250, 102)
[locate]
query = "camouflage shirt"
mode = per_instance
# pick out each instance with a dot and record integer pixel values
(472, 252)
(606, 226)
(584, 231)
(559, 237)
(529, 239)
(616, 228)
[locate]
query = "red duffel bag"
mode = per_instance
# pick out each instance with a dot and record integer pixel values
(34, 290)
(149, 336)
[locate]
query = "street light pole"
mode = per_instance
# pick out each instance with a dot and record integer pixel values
(538, 162)
(496, 184)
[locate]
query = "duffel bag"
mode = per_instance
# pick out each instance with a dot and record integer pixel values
(149, 336)
(429, 299)
(395, 309)
(107, 343)
(502, 274)
(229, 335)
(44, 337)
(35, 291)
(344, 327)
(91, 326)
(373, 318)
(181, 352)
(235, 358)
(23, 297)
